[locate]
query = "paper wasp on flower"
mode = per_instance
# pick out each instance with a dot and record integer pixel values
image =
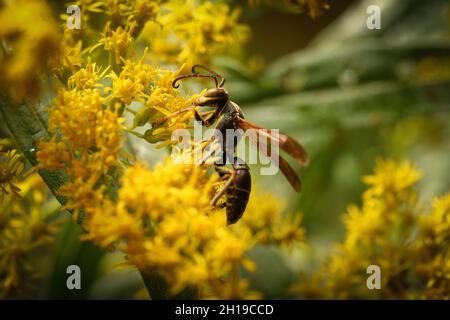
(226, 115)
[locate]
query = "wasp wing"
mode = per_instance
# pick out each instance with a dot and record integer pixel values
(290, 174)
(286, 143)
(284, 166)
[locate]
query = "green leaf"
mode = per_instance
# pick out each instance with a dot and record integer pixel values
(27, 127)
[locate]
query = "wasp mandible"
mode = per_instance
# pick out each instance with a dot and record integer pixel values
(227, 114)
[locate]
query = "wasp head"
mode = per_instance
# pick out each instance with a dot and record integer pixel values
(213, 96)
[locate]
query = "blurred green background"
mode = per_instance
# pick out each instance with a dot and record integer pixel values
(349, 94)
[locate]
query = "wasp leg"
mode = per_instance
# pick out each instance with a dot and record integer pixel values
(212, 119)
(222, 205)
(205, 123)
(211, 149)
(223, 157)
(172, 115)
(232, 177)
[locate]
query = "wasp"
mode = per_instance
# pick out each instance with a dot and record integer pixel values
(226, 114)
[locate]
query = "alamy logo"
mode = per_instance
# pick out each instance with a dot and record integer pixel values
(374, 280)
(374, 19)
(74, 18)
(74, 280)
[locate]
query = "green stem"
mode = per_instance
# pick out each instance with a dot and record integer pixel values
(158, 288)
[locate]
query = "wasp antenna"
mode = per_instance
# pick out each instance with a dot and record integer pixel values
(205, 68)
(186, 76)
(174, 83)
(222, 79)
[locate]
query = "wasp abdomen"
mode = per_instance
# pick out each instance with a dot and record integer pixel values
(238, 195)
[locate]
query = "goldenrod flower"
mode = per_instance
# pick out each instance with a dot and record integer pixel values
(71, 54)
(31, 38)
(391, 177)
(86, 142)
(193, 32)
(53, 155)
(87, 78)
(129, 87)
(433, 250)
(162, 222)
(11, 166)
(389, 230)
(25, 230)
(266, 220)
(119, 41)
(160, 100)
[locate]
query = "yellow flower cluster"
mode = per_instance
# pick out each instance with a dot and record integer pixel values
(162, 100)
(264, 220)
(391, 231)
(29, 37)
(162, 221)
(86, 142)
(11, 166)
(119, 42)
(191, 32)
(177, 31)
(26, 230)
(120, 12)
(432, 250)
(124, 20)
